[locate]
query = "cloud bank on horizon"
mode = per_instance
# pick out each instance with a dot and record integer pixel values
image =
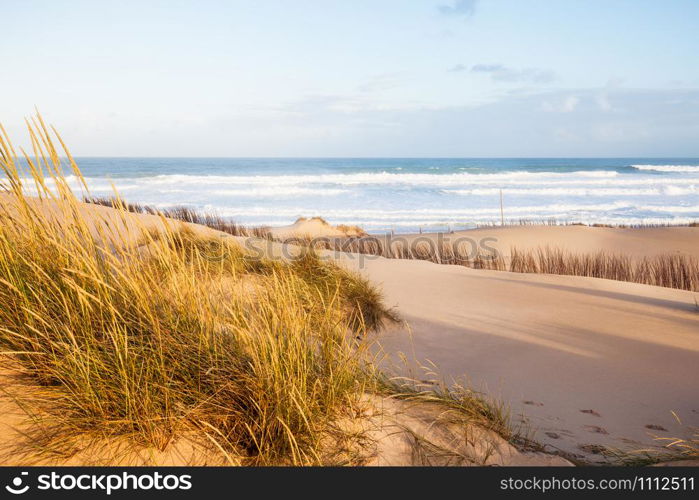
(364, 78)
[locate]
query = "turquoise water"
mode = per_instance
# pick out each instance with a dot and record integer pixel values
(408, 194)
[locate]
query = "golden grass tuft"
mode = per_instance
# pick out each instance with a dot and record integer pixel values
(683, 449)
(153, 334)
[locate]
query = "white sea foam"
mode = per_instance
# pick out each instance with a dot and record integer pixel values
(582, 191)
(381, 199)
(668, 168)
(425, 213)
(277, 192)
(680, 190)
(461, 180)
(374, 178)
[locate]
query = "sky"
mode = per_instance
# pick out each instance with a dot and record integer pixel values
(396, 78)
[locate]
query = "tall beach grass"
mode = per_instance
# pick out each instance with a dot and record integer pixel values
(153, 334)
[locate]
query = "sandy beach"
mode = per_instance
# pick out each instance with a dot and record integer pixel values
(584, 361)
(582, 364)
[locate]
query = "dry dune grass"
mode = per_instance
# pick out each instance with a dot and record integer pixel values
(685, 449)
(675, 451)
(174, 334)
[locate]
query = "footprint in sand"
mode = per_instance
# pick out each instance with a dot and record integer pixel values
(595, 449)
(656, 427)
(560, 433)
(591, 412)
(596, 429)
(533, 403)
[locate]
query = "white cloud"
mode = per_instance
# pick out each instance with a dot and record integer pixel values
(502, 73)
(643, 123)
(564, 105)
(459, 8)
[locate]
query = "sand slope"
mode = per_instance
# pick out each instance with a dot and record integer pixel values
(587, 361)
(313, 228)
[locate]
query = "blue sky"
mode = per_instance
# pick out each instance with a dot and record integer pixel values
(356, 77)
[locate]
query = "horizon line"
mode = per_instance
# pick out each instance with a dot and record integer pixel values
(395, 157)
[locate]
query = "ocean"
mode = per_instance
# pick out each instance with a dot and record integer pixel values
(409, 194)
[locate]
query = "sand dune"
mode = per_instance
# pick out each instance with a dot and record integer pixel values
(584, 362)
(587, 361)
(315, 227)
